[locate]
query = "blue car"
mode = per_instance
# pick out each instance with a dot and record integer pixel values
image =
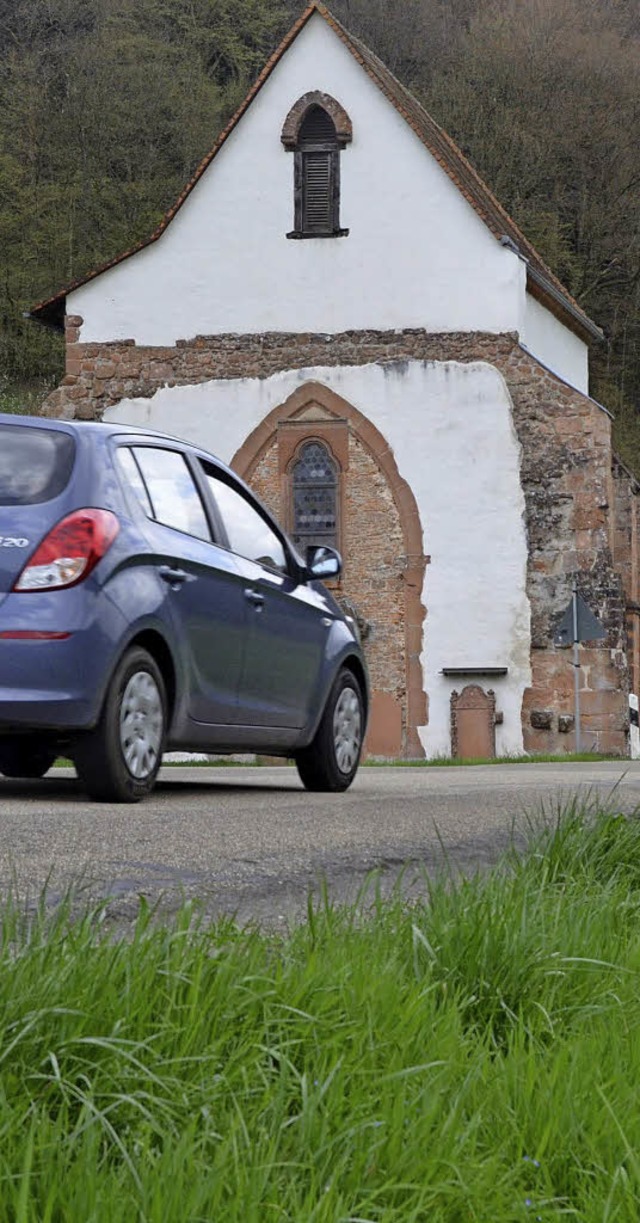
(150, 603)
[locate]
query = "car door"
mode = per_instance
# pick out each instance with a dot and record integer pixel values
(204, 585)
(289, 621)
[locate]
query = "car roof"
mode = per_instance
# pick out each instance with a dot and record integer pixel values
(109, 429)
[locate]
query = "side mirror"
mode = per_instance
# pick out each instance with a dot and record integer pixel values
(323, 562)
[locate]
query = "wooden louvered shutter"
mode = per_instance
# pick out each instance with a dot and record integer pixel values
(317, 177)
(317, 192)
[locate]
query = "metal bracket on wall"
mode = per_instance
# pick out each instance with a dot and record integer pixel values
(490, 671)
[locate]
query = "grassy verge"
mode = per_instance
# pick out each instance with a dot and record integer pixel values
(436, 762)
(476, 1058)
(452, 761)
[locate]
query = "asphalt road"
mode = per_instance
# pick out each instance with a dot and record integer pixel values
(251, 842)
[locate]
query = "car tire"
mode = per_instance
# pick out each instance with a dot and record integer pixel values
(25, 757)
(331, 760)
(118, 760)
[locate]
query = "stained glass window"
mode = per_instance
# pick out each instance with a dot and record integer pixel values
(315, 497)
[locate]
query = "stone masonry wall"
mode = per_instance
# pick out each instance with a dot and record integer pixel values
(567, 480)
(625, 556)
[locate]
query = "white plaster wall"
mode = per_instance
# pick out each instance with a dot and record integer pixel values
(417, 254)
(557, 347)
(450, 428)
(634, 731)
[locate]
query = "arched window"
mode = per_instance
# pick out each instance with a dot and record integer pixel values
(314, 481)
(315, 131)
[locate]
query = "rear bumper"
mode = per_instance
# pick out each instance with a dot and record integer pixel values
(50, 685)
(56, 684)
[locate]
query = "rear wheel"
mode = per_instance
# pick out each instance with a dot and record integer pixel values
(331, 760)
(24, 756)
(118, 761)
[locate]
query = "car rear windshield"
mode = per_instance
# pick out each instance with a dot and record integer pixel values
(35, 464)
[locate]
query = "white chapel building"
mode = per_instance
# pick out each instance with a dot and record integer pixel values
(339, 308)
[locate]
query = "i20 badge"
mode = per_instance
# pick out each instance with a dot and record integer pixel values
(10, 541)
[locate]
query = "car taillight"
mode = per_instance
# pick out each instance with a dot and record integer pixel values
(70, 551)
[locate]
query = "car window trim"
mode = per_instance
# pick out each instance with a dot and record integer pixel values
(134, 443)
(216, 522)
(127, 443)
(242, 491)
(145, 486)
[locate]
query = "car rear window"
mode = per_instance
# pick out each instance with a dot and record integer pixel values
(35, 464)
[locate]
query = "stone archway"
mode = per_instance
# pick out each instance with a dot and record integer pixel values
(293, 121)
(381, 540)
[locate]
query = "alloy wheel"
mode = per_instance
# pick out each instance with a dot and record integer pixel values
(347, 729)
(141, 724)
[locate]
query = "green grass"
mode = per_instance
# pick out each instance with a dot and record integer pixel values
(435, 762)
(453, 761)
(453, 1060)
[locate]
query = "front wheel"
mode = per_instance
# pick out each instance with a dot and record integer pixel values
(118, 760)
(331, 760)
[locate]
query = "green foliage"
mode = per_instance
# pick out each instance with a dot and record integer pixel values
(472, 1056)
(106, 107)
(448, 762)
(542, 96)
(26, 399)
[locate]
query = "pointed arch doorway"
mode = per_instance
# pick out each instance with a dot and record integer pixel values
(376, 527)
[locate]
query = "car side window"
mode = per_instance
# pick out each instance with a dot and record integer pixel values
(249, 533)
(133, 477)
(164, 483)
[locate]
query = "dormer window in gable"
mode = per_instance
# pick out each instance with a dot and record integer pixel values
(316, 129)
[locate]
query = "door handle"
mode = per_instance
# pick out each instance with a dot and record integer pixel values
(174, 577)
(254, 596)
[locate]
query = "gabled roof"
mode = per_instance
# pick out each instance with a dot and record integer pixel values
(541, 281)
